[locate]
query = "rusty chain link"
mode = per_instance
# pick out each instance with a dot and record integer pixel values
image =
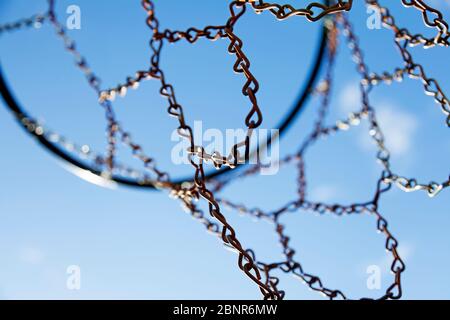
(292, 266)
(34, 21)
(314, 11)
(189, 194)
(228, 234)
(414, 71)
(432, 18)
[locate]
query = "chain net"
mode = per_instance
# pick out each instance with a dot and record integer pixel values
(337, 23)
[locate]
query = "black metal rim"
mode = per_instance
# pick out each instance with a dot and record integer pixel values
(20, 114)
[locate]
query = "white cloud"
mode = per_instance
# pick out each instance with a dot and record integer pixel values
(31, 255)
(324, 193)
(399, 129)
(350, 98)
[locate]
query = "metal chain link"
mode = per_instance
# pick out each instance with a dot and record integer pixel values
(432, 18)
(35, 21)
(259, 272)
(214, 33)
(292, 266)
(414, 71)
(314, 11)
(114, 130)
(228, 234)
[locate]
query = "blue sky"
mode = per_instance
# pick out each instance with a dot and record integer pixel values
(140, 245)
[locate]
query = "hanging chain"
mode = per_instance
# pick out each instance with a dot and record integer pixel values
(301, 203)
(228, 234)
(414, 71)
(215, 222)
(432, 18)
(314, 11)
(34, 21)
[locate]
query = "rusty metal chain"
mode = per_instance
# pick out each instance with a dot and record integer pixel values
(261, 273)
(242, 65)
(34, 21)
(114, 130)
(228, 234)
(432, 18)
(292, 266)
(93, 80)
(314, 11)
(83, 151)
(213, 33)
(431, 86)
